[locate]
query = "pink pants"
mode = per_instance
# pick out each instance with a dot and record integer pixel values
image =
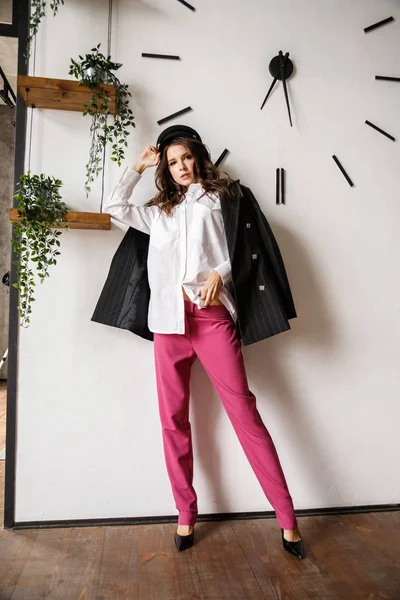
(210, 334)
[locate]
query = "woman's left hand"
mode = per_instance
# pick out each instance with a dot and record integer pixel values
(211, 289)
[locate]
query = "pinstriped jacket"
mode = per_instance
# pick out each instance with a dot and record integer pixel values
(260, 285)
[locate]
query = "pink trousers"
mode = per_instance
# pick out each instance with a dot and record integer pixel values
(210, 335)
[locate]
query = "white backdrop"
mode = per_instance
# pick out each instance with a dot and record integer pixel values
(88, 434)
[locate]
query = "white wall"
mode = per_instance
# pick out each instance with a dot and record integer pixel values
(89, 440)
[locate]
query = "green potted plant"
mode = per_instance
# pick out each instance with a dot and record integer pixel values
(37, 12)
(39, 208)
(93, 70)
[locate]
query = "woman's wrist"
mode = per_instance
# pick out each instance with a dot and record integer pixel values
(138, 167)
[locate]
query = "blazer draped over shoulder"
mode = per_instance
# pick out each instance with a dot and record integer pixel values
(261, 289)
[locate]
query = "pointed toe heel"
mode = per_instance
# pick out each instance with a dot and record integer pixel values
(183, 542)
(295, 548)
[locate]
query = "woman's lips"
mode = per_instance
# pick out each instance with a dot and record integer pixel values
(186, 175)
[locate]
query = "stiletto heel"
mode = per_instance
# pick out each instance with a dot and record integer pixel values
(183, 542)
(295, 548)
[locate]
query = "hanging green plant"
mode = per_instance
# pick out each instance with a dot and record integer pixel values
(91, 71)
(40, 208)
(37, 12)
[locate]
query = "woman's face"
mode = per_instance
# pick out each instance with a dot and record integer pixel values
(181, 165)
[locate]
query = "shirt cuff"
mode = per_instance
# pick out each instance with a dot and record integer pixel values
(130, 177)
(224, 270)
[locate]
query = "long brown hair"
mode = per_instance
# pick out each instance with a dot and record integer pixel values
(206, 173)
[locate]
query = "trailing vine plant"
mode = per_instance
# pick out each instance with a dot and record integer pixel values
(93, 70)
(37, 13)
(40, 208)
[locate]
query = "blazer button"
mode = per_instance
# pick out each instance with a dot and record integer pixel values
(254, 256)
(262, 287)
(248, 225)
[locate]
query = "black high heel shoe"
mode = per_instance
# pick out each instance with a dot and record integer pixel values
(295, 548)
(183, 542)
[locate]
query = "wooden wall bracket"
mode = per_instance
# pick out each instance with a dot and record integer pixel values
(59, 94)
(76, 220)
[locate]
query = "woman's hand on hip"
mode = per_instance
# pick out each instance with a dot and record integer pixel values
(211, 289)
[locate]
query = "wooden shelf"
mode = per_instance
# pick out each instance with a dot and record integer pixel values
(76, 220)
(59, 94)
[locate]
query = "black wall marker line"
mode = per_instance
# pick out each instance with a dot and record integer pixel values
(283, 186)
(380, 130)
(278, 199)
(169, 56)
(221, 158)
(180, 112)
(375, 25)
(343, 171)
(382, 77)
(187, 4)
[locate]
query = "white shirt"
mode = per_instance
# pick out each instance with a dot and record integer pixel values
(183, 249)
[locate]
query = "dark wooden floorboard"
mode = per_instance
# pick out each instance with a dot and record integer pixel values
(221, 567)
(363, 540)
(345, 558)
(63, 563)
(120, 565)
(15, 550)
(382, 531)
(348, 557)
(278, 573)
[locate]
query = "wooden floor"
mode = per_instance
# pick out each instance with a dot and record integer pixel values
(349, 557)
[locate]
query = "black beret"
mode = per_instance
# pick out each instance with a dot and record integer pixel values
(175, 131)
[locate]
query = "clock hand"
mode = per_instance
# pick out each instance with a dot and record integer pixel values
(282, 65)
(272, 84)
(269, 91)
(287, 101)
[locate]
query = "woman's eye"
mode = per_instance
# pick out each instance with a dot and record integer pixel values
(173, 162)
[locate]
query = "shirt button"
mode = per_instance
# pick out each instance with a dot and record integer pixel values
(254, 256)
(248, 225)
(262, 287)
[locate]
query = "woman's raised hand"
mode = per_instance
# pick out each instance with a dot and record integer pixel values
(150, 157)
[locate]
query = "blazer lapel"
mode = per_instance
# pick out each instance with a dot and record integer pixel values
(230, 215)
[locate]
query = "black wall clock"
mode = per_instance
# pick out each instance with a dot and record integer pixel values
(281, 69)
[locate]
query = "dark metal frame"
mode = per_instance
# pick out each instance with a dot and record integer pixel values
(11, 29)
(7, 93)
(269, 514)
(19, 28)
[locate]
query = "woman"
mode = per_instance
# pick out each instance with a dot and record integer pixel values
(192, 313)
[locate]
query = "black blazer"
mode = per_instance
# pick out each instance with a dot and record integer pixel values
(261, 290)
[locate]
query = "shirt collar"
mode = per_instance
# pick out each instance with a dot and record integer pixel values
(196, 190)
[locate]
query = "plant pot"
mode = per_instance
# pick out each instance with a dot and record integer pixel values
(96, 74)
